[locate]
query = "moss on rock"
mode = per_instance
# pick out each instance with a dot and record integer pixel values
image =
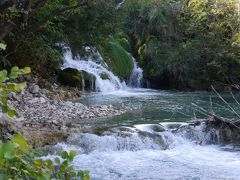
(118, 59)
(70, 77)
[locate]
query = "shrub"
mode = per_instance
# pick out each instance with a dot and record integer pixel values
(18, 162)
(8, 85)
(16, 159)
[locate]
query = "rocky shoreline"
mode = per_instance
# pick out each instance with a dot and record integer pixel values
(49, 116)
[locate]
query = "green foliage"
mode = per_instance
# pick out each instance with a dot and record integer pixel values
(18, 162)
(2, 46)
(38, 31)
(186, 44)
(91, 26)
(181, 44)
(38, 52)
(7, 85)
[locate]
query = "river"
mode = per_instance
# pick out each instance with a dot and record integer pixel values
(140, 144)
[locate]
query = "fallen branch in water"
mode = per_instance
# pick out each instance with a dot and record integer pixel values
(214, 118)
(230, 107)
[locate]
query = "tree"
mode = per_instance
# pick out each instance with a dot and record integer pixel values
(31, 15)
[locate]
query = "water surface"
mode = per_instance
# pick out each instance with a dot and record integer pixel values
(140, 144)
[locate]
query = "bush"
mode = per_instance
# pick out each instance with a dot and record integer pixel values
(8, 85)
(18, 162)
(16, 159)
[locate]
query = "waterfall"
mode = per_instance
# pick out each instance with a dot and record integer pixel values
(120, 4)
(136, 77)
(101, 79)
(105, 81)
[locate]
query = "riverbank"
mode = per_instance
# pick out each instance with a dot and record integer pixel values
(47, 116)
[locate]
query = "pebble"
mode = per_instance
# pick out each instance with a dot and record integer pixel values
(13, 96)
(43, 111)
(34, 89)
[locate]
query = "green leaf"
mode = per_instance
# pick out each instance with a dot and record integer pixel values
(15, 69)
(3, 46)
(8, 150)
(64, 155)
(84, 175)
(3, 76)
(57, 161)
(26, 70)
(72, 154)
(11, 112)
(24, 161)
(26, 172)
(18, 87)
(70, 169)
(38, 162)
(13, 87)
(43, 177)
(3, 73)
(4, 109)
(20, 140)
(14, 168)
(49, 163)
(15, 72)
(65, 163)
(4, 99)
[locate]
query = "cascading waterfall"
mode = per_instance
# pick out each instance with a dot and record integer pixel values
(105, 80)
(163, 136)
(120, 4)
(136, 77)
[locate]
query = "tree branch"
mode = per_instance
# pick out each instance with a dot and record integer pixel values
(30, 9)
(37, 6)
(4, 4)
(58, 12)
(27, 10)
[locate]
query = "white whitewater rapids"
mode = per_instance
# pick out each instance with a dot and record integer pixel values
(145, 144)
(105, 80)
(150, 151)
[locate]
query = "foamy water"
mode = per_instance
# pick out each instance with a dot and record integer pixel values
(139, 152)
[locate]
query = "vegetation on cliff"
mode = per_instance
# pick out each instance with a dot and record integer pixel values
(186, 44)
(181, 44)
